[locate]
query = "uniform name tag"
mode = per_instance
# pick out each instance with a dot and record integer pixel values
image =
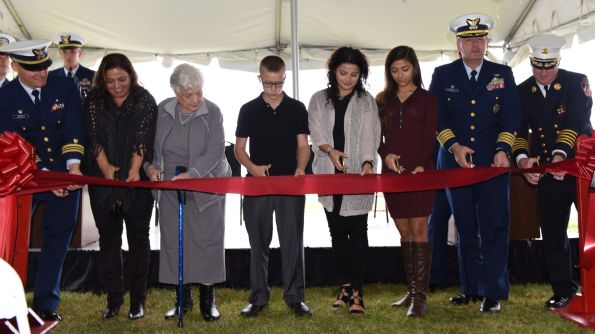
(20, 116)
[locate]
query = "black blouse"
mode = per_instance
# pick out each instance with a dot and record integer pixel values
(119, 131)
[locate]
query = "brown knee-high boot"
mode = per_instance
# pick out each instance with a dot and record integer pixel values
(422, 256)
(407, 257)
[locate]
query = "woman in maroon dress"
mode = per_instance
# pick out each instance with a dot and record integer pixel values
(408, 114)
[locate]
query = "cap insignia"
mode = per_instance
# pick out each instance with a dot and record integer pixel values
(39, 53)
(473, 23)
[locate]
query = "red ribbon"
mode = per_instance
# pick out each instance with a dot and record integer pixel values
(17, 167)
(17, 163)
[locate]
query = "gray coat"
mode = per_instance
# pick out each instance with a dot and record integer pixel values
(204, 217)
(362, 138)
(207, 157)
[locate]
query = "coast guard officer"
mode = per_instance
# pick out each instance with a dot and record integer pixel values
(556, 107)
(478, 117)
(70, 47)
(46, 111)
(4, 59)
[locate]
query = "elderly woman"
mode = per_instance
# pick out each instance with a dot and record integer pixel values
(190, 134)
(345, 133)
(119, 117)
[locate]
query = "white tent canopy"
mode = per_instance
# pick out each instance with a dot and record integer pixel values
(239, 33)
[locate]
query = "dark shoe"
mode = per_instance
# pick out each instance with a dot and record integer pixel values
(342, 297)
(187, 302)
(208, 307)
(422, 257)
(356, 302)
(463, 299)
(557, 301)
(49, 315)
(136, 311)
(301, 309)
(111, 311)
(490, 306)
(407, 256)
(251, 310)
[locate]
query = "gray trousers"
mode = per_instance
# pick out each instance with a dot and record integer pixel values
(289, 215)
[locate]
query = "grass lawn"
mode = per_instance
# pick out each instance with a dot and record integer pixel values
(523, 313)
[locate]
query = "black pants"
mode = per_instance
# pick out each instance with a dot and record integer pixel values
(554, 200)
(349, 237)
(109, 215)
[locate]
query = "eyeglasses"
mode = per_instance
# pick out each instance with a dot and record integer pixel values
(278, 84)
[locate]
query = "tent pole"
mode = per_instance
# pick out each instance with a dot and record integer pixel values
(295, 51)
(17, 18)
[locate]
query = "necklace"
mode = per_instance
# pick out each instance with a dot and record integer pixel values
(184, 117)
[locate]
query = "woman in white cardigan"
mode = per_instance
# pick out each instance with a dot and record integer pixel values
(345, 132)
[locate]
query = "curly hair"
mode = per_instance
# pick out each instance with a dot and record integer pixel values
(340, 56)
(389, 95)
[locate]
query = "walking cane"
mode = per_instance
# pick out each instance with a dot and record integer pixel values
(181, 202)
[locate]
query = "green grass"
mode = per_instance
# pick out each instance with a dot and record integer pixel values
(523, 313)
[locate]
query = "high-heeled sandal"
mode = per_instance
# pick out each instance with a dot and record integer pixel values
(356, 302)
(342, 297)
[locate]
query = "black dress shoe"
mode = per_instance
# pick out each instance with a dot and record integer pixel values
(251, 310)
(136, 311)
(463, 299)
(111, 311)
(49, 315)
(557, 301)
(490, 306)
(301, 309)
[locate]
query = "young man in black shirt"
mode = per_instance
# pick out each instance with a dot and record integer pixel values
(277, 126)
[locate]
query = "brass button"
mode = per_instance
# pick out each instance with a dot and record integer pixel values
(497, 97)
(548, 159)
(472, 139)
(59, 121)
(46, 139)
(43, 128)
(23, 128)
(448, 99)
(541, 136)
(49, 149)
(51, 159)
(557, 132)
(542, 144)
(556, 126)
(473, 102)
(540, 129)
(472, 114)
(472, 127)
(544, 151)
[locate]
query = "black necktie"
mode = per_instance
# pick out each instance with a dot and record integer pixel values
(547, 89)
(69, 74)
(473, 78)
(37, 101)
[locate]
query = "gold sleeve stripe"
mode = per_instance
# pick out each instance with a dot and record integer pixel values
(445, 135)
(520, 144)
(567, 137)
(37, 159)
(506, 137)
(69, 148)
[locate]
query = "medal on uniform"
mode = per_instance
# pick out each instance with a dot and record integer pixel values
(561, 110)
(557, 86)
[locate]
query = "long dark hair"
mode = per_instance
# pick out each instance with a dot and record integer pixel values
(389, 95)
(340, 56)
(111, 61)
